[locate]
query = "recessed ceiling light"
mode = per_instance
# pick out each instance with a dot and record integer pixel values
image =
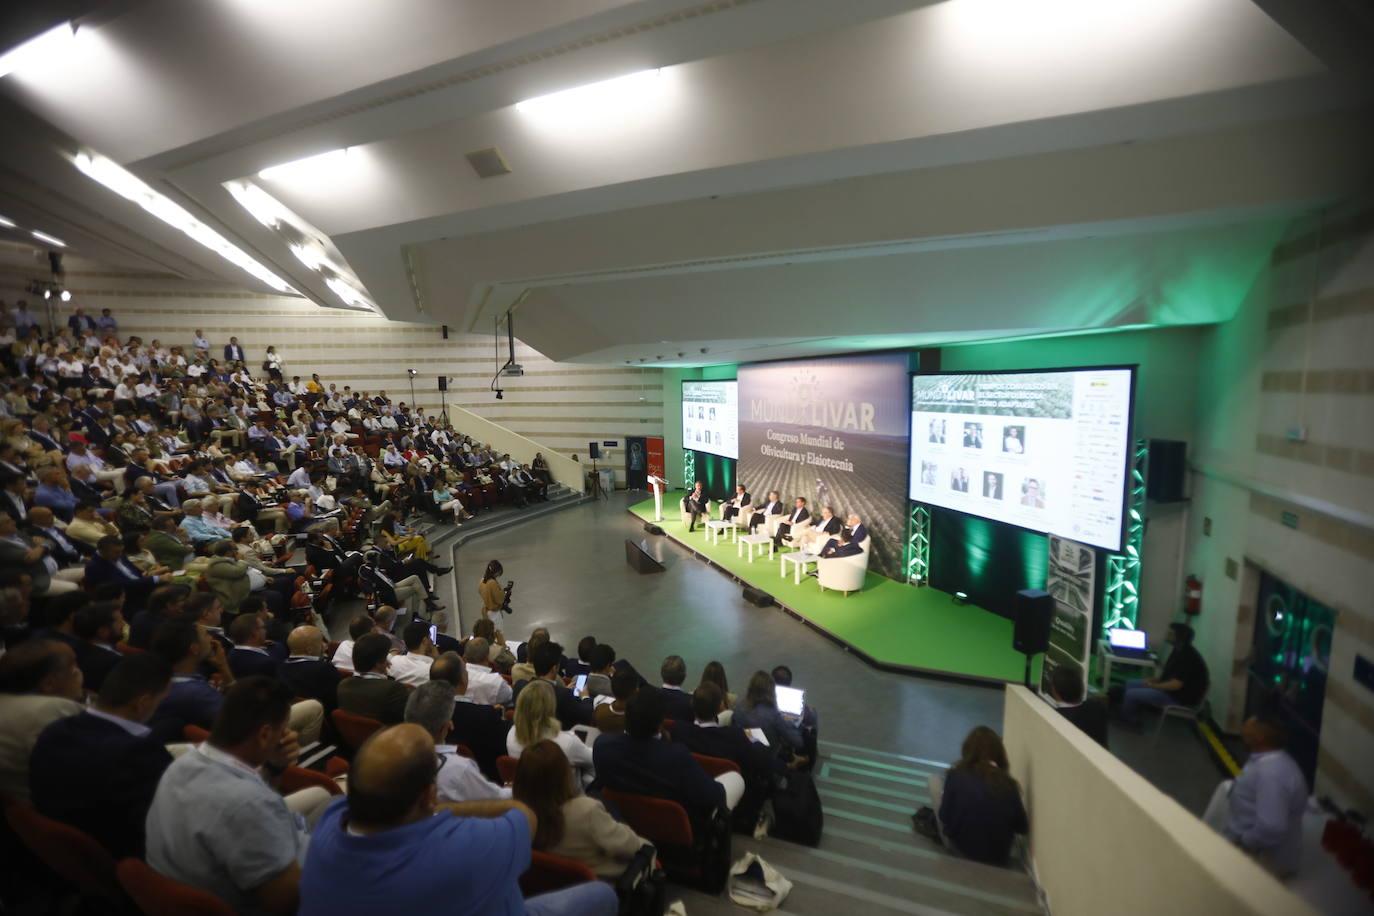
(7, 223)
(42, 47)
(49, 239)
(126, 184)
(593, 97)
(315, 167)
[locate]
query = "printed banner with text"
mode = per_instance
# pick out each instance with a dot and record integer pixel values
(833, 431)
(1072, 580)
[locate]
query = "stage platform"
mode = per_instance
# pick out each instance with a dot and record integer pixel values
(890, 625)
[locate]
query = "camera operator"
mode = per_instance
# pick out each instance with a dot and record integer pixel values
(495, 598)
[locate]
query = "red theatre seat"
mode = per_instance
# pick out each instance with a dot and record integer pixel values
(158, 895)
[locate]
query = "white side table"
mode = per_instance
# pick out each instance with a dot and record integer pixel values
(750, 541)
(715, 526)
(799, 562)
(1108, 659)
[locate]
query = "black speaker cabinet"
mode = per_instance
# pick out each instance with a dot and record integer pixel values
(593, 450)
(757, 597)
(443, 383)
(1168, 464)
(636, 556)
(1034, 611)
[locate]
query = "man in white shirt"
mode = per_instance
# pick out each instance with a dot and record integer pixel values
(484, 685)
(411, 667)
(358, 627)
(459, 779)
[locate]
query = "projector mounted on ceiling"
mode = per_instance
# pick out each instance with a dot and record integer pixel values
(513, 370)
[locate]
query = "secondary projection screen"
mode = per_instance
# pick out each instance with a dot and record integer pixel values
(1044, 450)
(710, 417)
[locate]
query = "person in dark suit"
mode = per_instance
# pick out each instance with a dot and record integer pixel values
(306, 671)
(636, 762)
(677, 703)
(857, 531)
(249, 655)
(232, 351)
(164, 602)
(737, 504)
(841, 546)
(760, 514)
(98, 771)
(704, 735)
(798, 516)
(1067, 691)
(546, 658)
(370, 692)
(695, 503)
(478, 727)
(98, 626)
(109, 566)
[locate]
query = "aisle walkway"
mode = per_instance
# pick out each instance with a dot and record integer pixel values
(869, 860)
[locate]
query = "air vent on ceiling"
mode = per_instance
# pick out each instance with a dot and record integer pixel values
(488, 163)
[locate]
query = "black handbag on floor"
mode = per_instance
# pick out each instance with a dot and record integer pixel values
(797, 815)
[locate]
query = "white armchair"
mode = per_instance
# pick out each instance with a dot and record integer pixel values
(687, 516)
(844, 574)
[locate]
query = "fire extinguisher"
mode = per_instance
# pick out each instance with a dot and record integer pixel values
(1192, 595)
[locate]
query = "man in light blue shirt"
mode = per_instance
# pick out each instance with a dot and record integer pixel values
(194, 524)
(217, 824)
(1266, 801)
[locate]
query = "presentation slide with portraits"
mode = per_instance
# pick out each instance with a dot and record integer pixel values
(710, 417)
(1043, 450)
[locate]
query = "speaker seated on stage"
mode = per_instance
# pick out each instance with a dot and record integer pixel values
(843, 565)
(695, 504)
(733, 509)
(815, 536)
(790, 527)
(769, 513)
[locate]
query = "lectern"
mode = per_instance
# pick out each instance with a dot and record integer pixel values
(657, 484)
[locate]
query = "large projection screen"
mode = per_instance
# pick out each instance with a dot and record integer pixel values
(710, 417)
(1045, 450)
(834, 431)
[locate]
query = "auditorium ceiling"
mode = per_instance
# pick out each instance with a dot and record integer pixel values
(684, 183)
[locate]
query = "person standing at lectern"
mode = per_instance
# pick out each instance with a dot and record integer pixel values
(799, 516)
(736, 504)
(696, 504)
(772, 507)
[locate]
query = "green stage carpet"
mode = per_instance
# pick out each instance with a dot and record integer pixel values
(891, 623)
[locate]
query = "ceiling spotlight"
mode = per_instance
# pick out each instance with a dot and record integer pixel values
(411, 372)
(500, 395)
(47, 294)
(65, 295)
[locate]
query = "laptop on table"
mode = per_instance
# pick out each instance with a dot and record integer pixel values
(1126, 643)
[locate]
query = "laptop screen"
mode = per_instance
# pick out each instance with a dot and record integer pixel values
(1126, 639)
(791, 700)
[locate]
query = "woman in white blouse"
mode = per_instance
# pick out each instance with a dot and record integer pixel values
(535, 721)
(571, 825)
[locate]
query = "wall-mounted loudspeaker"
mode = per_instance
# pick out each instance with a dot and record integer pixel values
(445, 332)
(1034, 611)
(1167, 469)
(593, 450)
(443, 383)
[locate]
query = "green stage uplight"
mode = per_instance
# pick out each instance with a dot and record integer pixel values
(961, 597)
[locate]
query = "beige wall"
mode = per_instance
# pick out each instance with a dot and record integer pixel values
(1103, 840)
(1299, 356)
(561, 406)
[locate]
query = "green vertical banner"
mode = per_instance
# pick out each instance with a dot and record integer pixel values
(1071, 580)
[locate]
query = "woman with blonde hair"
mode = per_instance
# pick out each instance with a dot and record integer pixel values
(535, 721)
(976, 808)
(574, 826)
